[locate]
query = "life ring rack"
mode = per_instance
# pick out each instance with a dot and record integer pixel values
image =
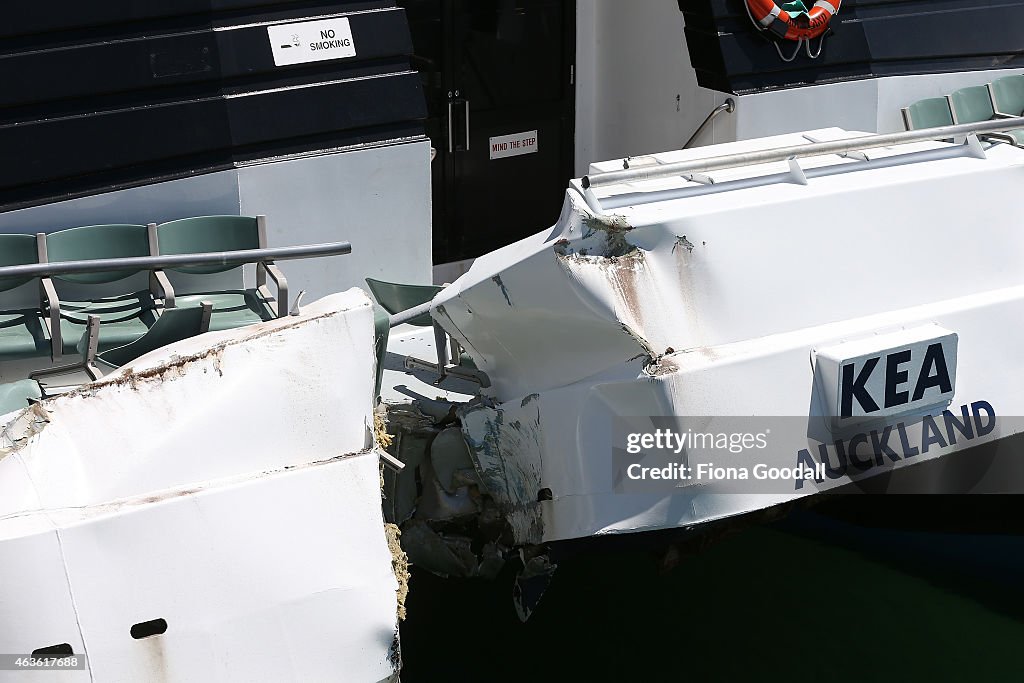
(801, 26)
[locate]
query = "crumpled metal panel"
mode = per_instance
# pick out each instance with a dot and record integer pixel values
(709, 299)
(229, 485)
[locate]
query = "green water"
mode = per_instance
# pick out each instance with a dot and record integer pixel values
(760, 605)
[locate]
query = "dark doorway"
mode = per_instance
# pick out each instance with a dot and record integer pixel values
(498, 76)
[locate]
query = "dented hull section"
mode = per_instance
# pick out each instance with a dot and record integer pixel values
(733, 296)
(211, 512)
(505, 442)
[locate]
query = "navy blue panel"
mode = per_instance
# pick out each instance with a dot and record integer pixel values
(867, 38)
(57, 148)
(51, 17)
(145, 65)
(97, 96)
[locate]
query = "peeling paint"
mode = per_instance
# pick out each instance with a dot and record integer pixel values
(176, 366)
(585, 257)
(626, 276)
(684, 243)
(19, 431)
(501, 285)
(506, 445)
(395, 657)
(614, 228)
(660, 366)
(603, 237)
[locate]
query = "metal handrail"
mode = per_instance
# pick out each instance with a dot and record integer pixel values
(765, 156)
(411, 313)
(729, 106)
(210, 258)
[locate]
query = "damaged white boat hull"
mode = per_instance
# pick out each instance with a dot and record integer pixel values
(211, 512)
(732, 294)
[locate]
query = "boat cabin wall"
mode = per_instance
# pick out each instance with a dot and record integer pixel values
(376, 197)
(871, 105)
(143, 112)
(637, 90)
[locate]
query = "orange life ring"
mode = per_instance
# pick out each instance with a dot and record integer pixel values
(773, 18)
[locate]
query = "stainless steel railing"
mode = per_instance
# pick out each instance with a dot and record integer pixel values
(220, 258)
(765, 156)
(728, 106)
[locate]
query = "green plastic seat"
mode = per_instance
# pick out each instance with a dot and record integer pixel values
(208, 233)
(97, 242)
(16, 395)
(22, 335)
(22, 331)
(16, 250)
(173, 325)
(1008, 94)
(974, 104)
(123, 317)
(929, 113)
(231, 308)
(395, 298)
(971, 105)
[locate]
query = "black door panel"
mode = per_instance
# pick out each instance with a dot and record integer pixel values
(494, 68)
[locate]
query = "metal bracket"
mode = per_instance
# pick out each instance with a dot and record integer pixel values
(391, 462)
(477, 376)
(852, 154)
(297, 306)
(796, 172)
(89, 346)
(974, 147)
(637, 162)
(699, 178)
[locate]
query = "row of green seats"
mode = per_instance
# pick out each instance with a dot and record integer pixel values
(1001, 98)
(125, 317)
(174, 324)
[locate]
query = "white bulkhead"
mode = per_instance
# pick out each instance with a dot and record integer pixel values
(210, 512)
